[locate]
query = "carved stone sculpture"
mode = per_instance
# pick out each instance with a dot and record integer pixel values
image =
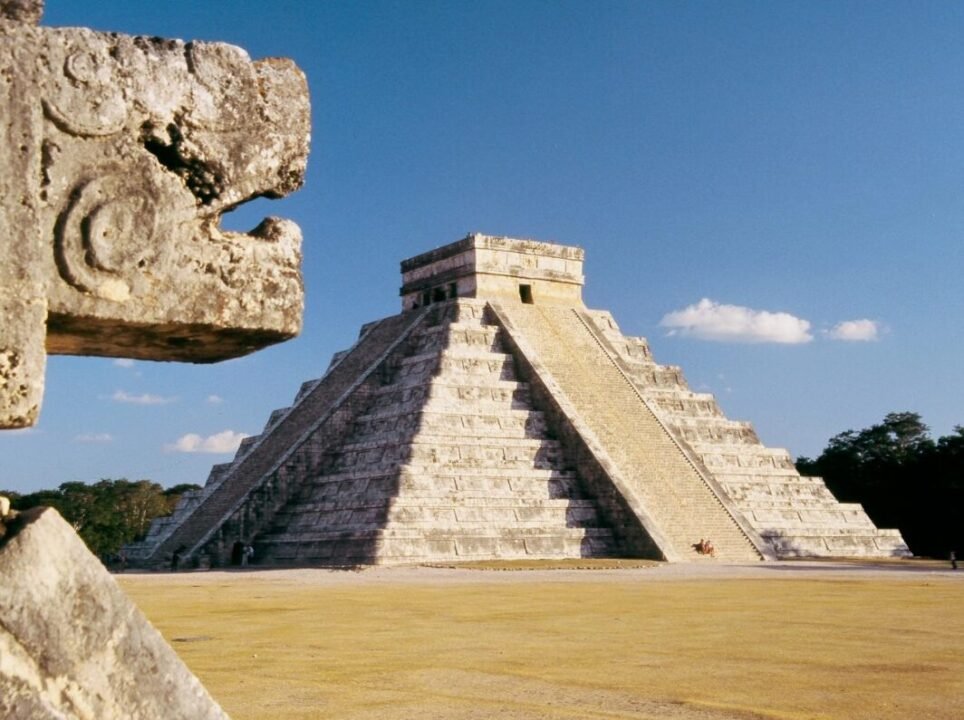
(119, 155)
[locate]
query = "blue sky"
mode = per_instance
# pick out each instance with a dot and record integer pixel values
(737, 172)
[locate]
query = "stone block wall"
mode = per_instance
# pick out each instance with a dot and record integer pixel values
(797, 516)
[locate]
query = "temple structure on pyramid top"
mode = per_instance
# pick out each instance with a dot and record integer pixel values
(497, 417)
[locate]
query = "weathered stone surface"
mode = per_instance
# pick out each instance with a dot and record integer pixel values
(797, 516)
(492, 267)
(119, 156)
(72, 646)
(25, 11)
(489, 421)
(431, 451)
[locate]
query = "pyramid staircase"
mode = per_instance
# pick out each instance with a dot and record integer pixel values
(678, 504)
(240, 497)
(434, 453)
(449, 462)
(797, 516)
(497, 417)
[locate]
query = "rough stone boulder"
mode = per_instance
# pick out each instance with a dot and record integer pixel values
(72, 646)
(119, 155)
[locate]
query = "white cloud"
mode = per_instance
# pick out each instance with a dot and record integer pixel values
(223, 442)
(124, 362)
(710, 320)
(143, 399)
(94, 438)
(215, 399)
(855, 331)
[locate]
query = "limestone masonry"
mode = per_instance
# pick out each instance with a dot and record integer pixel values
(497, 417)
(119, 156)
(72, 646)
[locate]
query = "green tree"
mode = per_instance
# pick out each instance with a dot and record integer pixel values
(902, 478)
(109, 513)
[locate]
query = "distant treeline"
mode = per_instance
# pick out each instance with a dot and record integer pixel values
(107, 514)
(904, 479)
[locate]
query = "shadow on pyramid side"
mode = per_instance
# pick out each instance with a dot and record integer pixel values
(496, 417)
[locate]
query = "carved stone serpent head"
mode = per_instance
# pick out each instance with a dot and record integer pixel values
(121, 155)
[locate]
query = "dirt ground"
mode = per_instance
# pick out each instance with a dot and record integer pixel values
(681, 642)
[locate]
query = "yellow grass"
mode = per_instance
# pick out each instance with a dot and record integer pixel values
(458, 644)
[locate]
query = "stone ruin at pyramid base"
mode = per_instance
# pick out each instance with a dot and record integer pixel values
(497, 417)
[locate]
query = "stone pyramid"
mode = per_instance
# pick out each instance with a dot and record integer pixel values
(497, 417)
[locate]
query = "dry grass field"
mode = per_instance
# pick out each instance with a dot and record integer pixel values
(791, 642)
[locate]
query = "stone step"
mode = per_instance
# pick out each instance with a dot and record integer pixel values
(275, 416)
(414, 473)
(436, 519)
(842, 532)
(218, 473)
(657, 473)
(768, 519)
(751, 493)
(769, 477)
(457, 333)
(245, 446)
(840, 542)
(389, 451)
(371, 495)
(480, 479)
(794, 502)
(714, 432)
(398, 551)
(353, 497)
(305, 388)
(391, 460)
(674, 403)
(295, 435)
(407, 531)
(748, 458)
(454, 354)
(516, 424)
(473, 389)
(441, 512)
(658, 376)
(503, 413)
(440, 400)
(441, 501)
(469, 540)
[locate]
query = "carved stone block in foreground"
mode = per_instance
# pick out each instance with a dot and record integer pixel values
(72, 646)
(119, 155)
(498, 417)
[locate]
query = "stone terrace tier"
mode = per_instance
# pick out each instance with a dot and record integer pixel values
(797, 516)
(497, 417)
(450, 461)
(676, 504)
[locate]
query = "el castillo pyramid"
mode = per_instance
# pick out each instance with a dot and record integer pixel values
(497, 417)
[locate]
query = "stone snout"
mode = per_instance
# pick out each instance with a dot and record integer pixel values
(146, 144)
(120, 156)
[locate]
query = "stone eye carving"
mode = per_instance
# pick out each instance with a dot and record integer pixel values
(84, 100)
(105, 235)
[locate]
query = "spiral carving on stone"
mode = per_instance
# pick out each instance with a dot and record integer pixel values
(83, 101)
(105, 235)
